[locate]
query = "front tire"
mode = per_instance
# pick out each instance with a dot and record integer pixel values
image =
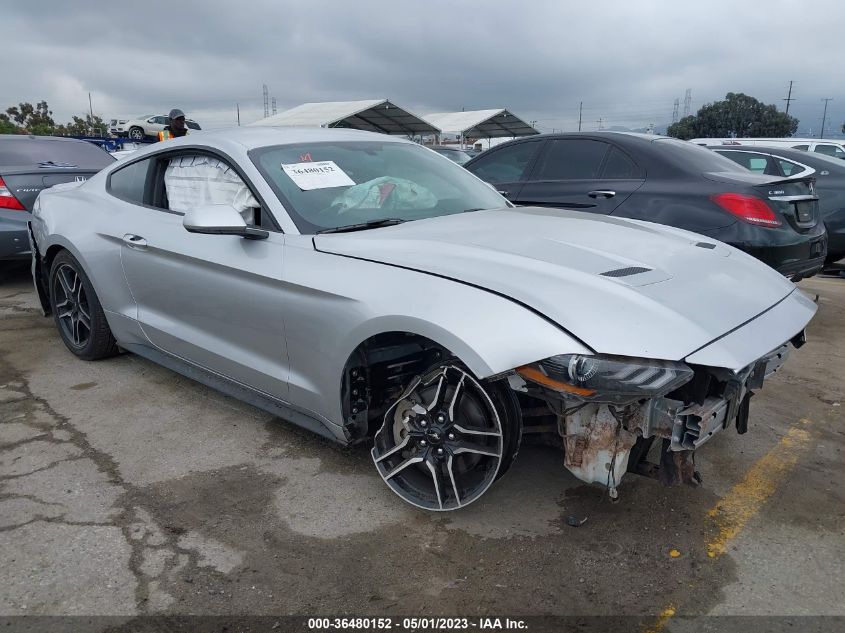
(136, 133)
(447, 439)
(77, 311)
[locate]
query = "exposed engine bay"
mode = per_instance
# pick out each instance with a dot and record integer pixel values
(604, 440)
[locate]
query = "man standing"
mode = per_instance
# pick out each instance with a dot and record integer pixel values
(176, 127)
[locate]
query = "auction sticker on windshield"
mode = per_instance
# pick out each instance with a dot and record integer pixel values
(321, 175)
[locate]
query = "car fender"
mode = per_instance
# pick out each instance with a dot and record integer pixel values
(337, 303)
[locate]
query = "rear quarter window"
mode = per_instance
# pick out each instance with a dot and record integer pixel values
(128, 183)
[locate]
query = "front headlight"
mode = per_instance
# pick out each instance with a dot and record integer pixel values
(601, 378)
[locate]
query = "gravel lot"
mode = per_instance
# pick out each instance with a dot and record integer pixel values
(126, 489)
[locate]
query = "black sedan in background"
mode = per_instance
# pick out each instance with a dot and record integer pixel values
(29, 164)
(664, 180)
(786, 163)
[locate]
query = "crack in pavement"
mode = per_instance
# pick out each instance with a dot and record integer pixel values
(136, 525)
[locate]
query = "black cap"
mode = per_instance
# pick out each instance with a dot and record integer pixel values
(175, 113)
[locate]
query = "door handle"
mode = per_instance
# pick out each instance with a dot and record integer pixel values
(134, 241)
(601, 193)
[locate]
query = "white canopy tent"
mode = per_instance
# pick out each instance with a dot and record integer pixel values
(375, 115)
(481, 124)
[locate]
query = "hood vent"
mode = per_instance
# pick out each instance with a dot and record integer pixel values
(705, 245)
(625, 272)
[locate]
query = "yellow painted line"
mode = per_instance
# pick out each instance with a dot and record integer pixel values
(662, 620)
(733, 511)
(731, 514)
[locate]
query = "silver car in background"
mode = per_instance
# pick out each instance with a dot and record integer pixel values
(373, 291)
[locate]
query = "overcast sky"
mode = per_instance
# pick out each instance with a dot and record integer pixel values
(626, 60)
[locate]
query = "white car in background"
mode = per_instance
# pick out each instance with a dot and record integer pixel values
(818, 145)
(147, 126)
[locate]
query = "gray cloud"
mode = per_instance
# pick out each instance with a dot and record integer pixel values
(627, 61)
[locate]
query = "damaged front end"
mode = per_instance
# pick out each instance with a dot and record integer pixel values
(608, 410)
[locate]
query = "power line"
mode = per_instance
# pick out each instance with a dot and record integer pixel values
(789, 97)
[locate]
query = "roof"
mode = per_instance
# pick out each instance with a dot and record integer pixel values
(482, 123)
(374, 115)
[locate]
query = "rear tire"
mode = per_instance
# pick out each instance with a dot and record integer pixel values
(77, 311)
(136, 133)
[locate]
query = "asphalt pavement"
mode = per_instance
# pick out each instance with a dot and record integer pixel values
(128, 490)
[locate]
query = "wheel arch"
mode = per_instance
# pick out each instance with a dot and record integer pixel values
(387, 349)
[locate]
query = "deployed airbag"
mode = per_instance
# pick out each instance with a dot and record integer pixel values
(192, 181)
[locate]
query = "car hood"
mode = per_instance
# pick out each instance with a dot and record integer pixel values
(620, 286)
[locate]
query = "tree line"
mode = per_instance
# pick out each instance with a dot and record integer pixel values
(738, 115)
(37, 119)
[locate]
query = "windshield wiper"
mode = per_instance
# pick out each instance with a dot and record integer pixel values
(372, 224)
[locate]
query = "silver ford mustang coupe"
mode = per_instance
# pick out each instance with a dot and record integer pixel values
(371, 290)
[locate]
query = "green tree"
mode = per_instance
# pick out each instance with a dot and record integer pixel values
(6, 126)
(683, 129)
(32, 119)
(737, 115)
(89, 126)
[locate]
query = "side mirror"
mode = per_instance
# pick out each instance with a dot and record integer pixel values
(220, 219)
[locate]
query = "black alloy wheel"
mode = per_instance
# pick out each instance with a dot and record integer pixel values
(77, 310)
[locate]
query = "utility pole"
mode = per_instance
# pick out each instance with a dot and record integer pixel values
(273, 104)
(824, 116)
(599, 122)
(675, 110)
(687, 101)
(580, 108)
(266, 101)
(90, 106)
(789, 97)
(238, 108)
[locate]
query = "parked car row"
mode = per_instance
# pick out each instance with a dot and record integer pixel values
(371, 291)
(667, 181)
(836, 149)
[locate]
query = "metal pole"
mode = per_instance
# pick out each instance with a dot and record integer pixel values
(788, 97)
(824, 116)
(90, 106)
(580, 107)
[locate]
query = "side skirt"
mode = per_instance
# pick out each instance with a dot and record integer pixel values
(242, 392)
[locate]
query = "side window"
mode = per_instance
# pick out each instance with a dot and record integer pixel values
(128, 182)
(789, 168)
(193, 180)
(506, 164)
(830, 150)
(570, 159)
(619, 167)
(161, 120)
(801, 147)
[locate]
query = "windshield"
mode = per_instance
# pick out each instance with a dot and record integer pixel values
(333, 184)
